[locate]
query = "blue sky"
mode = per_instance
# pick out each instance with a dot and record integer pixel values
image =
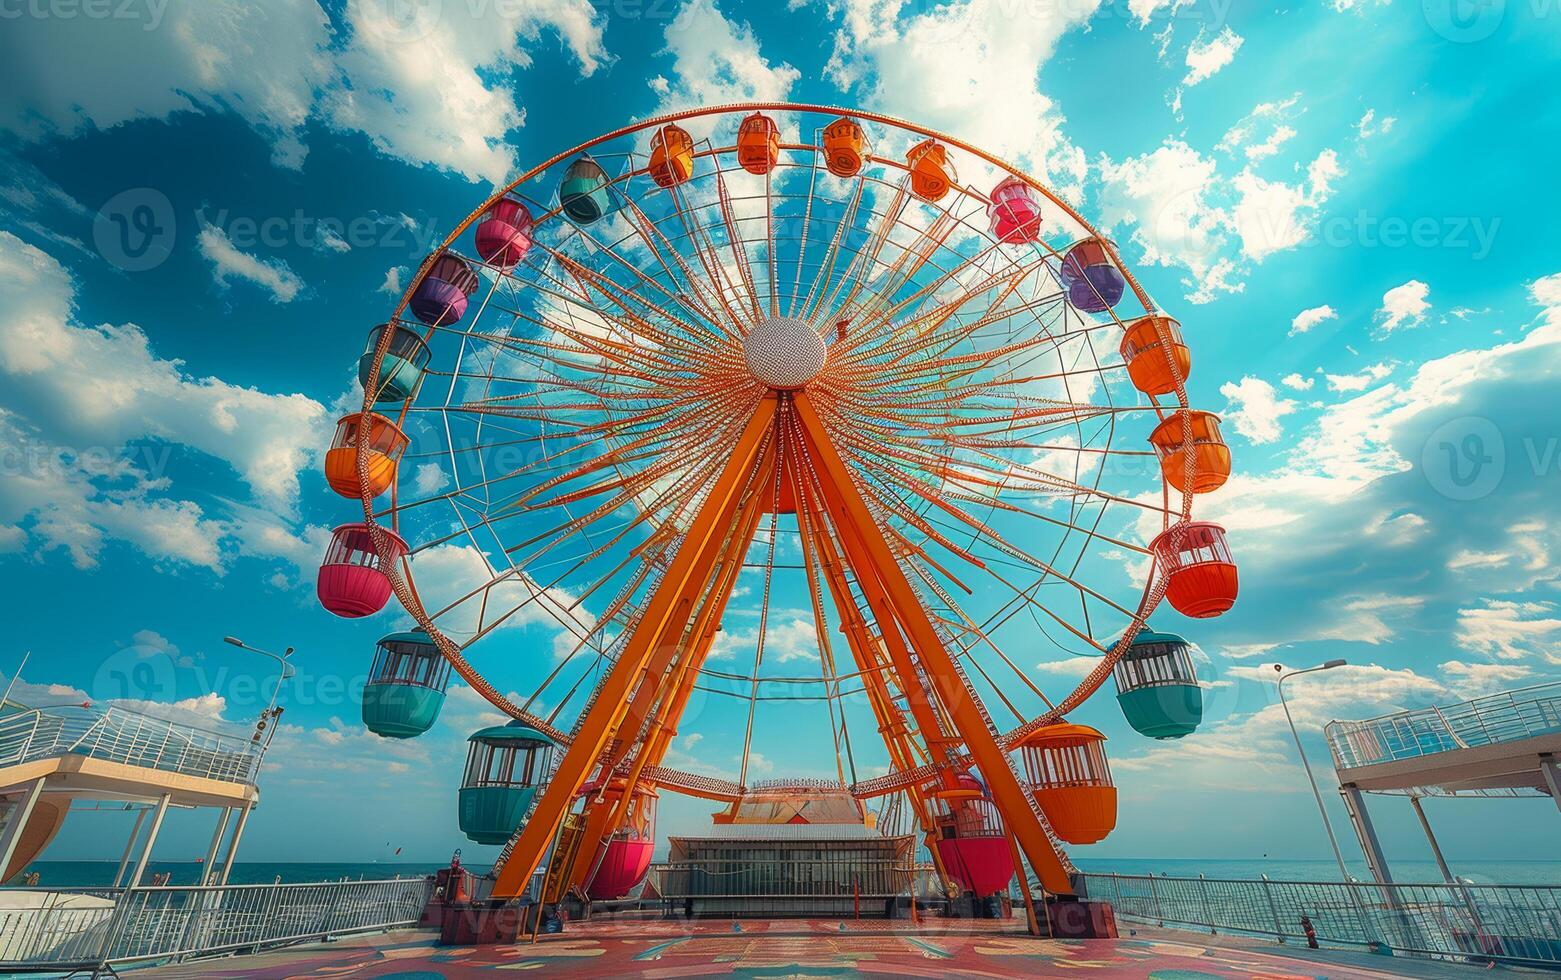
(1346, 203)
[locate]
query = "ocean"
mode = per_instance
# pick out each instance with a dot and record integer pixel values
(1404, 872)
(64, 874)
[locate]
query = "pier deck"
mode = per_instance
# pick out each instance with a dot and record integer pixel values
(818, 948)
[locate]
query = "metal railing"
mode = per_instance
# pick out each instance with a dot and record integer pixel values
(76, 928)
(1509, 923)
(1492, 720)
(117, 734)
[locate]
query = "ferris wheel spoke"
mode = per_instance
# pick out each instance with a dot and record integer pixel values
(693, 285)
(964, 624)
(923, 330)
(859, 269)
(827, 268)
(738, 246)
(709, 261)
(911, 260)
(986, 534)
(710, 318)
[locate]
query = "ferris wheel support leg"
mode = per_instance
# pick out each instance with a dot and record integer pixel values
(891, 723)
(818, 549)
(668, 610)
(602, 820)
(849, 509)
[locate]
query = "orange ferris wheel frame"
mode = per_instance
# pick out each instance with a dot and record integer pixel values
(650, 682)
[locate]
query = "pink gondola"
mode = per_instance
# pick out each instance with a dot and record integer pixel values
(354, 578)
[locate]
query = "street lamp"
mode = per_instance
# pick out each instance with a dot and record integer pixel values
(1344, 874)
(286, 672)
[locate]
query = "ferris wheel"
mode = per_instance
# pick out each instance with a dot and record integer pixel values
(767, 420)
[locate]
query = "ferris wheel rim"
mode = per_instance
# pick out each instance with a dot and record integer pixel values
(403, 582)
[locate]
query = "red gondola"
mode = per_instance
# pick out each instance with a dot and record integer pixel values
(1196, 559)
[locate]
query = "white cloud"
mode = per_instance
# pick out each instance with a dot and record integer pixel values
(436, 88)
(263, 62)
(1205, 58)
(1181, 212)
(395, 280)
(100, 415)
(787, 638)
(716, 61)
(272, 275)
(1271, 146)
(1370, 126)
(1404, 305)
(1508, 629)
(429, 479)
(944, 67)
(1255, 409)
(1307, 319)
(1270, 114)
(1297, 383)
(1476, 679)
(1273, 216)
(429, 83)
(1068, 667)
(1359, 381)
(1166, 197)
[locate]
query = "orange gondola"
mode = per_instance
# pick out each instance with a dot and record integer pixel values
(932, 175)
(845, 147)
(671, 156)
(1201, 575)
(1210, 457)
(758, 144)
(1157, 357)
(385, 445)
(1066, 771)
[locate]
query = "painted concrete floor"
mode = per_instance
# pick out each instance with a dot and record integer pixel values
(656, 949)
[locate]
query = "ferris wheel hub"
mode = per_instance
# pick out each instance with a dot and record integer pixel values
(784, 352)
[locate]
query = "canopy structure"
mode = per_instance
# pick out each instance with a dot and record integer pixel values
(1501, 745)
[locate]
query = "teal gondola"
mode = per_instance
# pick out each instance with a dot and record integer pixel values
(1157, 686)
(584, 192)
(402, 369)
(406, 686)
(505, 768)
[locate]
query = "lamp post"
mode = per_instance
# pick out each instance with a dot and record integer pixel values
(1344, 874)
(271, 708)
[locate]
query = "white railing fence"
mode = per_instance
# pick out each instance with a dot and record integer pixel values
(117, 734)
(44, 929)
(1506, 923)
(1508, 717)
